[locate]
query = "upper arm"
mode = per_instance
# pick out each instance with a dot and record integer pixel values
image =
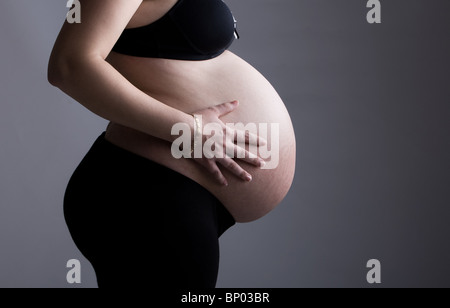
(102, 22)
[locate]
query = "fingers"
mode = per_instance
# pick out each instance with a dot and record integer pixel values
(229, 164)
(226, 108)
(249, 138)
(215, 171)
(235, 169)
(244, 155)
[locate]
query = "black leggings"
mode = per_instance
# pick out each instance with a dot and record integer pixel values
(141, 224)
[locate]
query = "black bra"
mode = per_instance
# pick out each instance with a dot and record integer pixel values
(191, 30)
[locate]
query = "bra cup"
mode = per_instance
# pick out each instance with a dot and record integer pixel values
(192, 30)
(208, 25)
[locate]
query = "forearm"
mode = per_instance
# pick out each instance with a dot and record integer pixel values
(99, 87)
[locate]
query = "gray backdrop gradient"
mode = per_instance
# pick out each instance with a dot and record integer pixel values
(370, 105)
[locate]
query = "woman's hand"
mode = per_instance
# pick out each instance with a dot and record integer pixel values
(226, 149)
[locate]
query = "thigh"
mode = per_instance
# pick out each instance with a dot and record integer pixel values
(191, 234)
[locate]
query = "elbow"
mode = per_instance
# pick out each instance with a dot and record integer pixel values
(63, 69)
(57, 72)
(53, 78)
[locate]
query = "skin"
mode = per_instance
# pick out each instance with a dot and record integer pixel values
(143, 98)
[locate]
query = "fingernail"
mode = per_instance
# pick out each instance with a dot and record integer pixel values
(262, 164)
(249, 178)
(225, 183)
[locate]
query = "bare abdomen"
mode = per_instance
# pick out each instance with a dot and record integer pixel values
(192, 86)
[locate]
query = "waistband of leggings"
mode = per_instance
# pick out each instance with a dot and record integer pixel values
(112, 150)
(118, 153)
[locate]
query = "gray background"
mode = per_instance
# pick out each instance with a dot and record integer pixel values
(370, 105)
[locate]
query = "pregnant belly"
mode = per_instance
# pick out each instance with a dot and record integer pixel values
(192, 86)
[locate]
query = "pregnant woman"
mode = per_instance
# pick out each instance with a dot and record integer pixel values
(141, 216)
